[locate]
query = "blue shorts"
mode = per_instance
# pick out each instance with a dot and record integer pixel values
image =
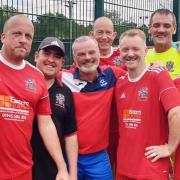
(94, 166)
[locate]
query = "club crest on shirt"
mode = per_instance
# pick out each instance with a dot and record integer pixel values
(170, 66)
(60, 100)
(30, 84)
(143, 93)
(117, 61)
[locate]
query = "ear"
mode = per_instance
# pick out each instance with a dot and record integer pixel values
(36, 54)
(114, 34)
(174, 32)
(149, 27)
(63, 62)
(146, 50)
(3, 36)
(91, 33)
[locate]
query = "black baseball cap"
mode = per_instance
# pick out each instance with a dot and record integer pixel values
(52, 41)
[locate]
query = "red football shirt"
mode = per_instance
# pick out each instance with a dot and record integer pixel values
(23, 94)
(142, 104)
(92, 106)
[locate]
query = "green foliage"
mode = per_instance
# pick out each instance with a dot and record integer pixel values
(5, 13)
(58, 25)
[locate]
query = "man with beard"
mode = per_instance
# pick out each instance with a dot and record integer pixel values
(103, 32)
(23, 94)
(92, 87)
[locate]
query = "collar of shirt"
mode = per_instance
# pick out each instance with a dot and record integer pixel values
(76, 73)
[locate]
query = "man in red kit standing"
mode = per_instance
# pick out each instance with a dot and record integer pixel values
(92, 87)
(103, 32)
(177, 155)
(148, 107)
(23, 94)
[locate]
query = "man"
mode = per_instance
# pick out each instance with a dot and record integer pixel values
(23, 94)
(49, 59)
(148, 107)
(162, 26)
(92, 88)
(103, 32)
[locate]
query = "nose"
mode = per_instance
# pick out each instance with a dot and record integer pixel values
(104, 35)
(50, 58)
(130, 53)
(23, 38)
(161, 28)
(87, 56)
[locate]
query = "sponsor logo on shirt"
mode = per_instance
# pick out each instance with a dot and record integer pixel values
(123, 96)
(143, 94)
(13, 109)
(78, 83)
(170, 66)
(103, 82)
(131, 118)
(60, 100)
(30, 84)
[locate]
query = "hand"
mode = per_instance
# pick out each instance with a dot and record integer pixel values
(157, 64)
(72, 177)
(62, 175)
(157, 152)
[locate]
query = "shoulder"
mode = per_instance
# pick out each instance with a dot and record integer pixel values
(33, 69)
(177, 81)
(35, 74)
(116, 51)
(156, 70)
(159, 76)
(117, 71)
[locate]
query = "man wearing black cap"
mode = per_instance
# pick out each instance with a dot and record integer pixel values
(49, 59)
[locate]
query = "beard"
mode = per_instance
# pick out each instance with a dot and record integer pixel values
(90, 69)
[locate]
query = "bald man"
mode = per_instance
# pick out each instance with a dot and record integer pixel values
(103, 32)
(23, 95)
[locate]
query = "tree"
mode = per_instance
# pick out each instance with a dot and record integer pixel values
(5, 13)
(58, 25)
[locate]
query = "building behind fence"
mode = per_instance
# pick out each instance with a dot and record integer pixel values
(68, 19)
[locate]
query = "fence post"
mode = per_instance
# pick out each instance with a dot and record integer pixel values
(176, 10)
(99, 8)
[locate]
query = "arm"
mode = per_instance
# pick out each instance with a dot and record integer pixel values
(49, 135)
(156, 152)
(71, 146)
(174, 129)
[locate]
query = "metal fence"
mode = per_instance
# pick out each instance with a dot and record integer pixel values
(68, 19)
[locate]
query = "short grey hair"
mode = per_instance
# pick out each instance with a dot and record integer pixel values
(82, 39)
